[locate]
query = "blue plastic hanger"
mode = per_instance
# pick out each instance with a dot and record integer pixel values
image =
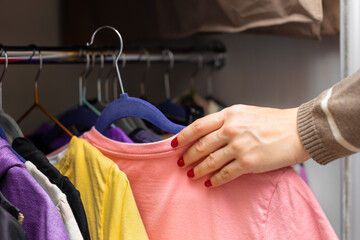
(127, 106)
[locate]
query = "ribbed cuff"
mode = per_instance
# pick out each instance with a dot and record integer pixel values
(309, 135)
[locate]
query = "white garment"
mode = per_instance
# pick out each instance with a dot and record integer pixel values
(59, 199)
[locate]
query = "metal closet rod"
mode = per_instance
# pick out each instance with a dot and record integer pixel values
(76, 54)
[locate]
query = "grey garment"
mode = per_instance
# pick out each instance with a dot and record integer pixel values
(10, 126)
(9, 207)
(10, 229)
(124, 124)
(144, 136)
(139, 123)
(328, 125)
(131, 122)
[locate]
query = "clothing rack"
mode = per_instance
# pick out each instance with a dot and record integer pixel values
(214, 55)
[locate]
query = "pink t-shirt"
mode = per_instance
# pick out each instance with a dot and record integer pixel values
(273, 205)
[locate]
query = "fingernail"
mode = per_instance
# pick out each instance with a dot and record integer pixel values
(181, 162)
(208, 183)
(174, 143)
(191, 173)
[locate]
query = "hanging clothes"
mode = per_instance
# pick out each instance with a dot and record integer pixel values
(108, 200)
(10, 208)
(140, 135)
(59, 200)
(28, 151)
(270, 205)
(42, 220)
(118, 134)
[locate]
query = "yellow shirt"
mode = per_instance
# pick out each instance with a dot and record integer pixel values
(105, 192)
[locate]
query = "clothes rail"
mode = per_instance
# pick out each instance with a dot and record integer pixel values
(73, 55)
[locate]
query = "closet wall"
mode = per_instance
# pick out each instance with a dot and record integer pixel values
(260, 70)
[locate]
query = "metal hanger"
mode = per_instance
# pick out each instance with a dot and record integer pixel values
(3, 74)
(115, 81)
(167, 72)
(8, 124)
(80, 115)
(36, 104)
(123, 123)
(144, 52)
(127, 106)
(83, 77)
(107, 81)
(130, 120)
(98, 80)
(168, 107)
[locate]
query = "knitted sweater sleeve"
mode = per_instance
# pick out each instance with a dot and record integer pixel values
(329, 125)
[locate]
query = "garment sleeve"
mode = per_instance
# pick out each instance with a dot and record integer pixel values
(328, 125)
(294, 212)
(122, 218)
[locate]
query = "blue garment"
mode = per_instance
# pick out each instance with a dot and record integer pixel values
(3, 136)
(173, 111)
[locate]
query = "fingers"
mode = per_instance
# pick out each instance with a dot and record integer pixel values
(204, 146)
(226, 174)
(212, 163)
(198, 129)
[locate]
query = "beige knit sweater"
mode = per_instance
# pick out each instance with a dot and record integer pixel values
(329, 125)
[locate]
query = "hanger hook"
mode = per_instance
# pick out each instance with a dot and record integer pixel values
(148, 64)
(98, 81)
(170, 54)
(147, 54)
(87, 66)
(119, 54)
(123, 59)
(167, 73)
(83, 75)
(102, 60)
(6, 64)
(90, 63)
(3, 74)
(40, 67)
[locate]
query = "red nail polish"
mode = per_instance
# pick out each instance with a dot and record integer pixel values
(181, 162)
(191, 173)
(208, 183)
(174, 143)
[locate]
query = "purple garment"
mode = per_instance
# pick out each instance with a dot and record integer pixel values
(48, 144)
(42, 220)
(117, 134)
(302, 173)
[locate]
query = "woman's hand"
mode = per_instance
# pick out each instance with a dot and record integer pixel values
(238, 140)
